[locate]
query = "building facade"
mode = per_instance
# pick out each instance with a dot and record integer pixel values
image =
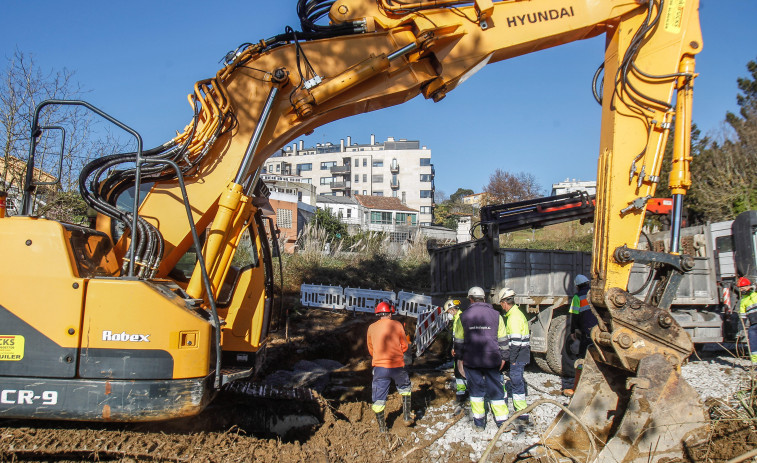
(400, 169)
(569, 186)
(388, 215)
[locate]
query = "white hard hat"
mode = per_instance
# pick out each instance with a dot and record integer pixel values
(504, 293)
(476, 291)
(580, 279)
(452, 304)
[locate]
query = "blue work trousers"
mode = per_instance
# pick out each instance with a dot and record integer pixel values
(382, 380)
(518, 385)
(752, 333)
(485, 384)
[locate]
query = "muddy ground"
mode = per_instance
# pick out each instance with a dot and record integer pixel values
(340, 427)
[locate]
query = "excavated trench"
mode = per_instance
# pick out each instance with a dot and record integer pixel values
(337, 426)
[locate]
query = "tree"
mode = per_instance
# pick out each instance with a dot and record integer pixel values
(447, 212)
(325, 219)
(725, 174)
(506, 187)
(459, 194)
(25, 85)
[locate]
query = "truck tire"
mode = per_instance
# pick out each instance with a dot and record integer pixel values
(559, 358)
(541, 362)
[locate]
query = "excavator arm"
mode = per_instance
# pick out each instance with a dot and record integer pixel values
(378, 53)
(385, 52)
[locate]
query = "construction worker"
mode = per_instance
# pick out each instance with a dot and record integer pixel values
(518, 347)
(482, 345)
(580, 322)
(387, 344)
(452, 307)
(748, 312)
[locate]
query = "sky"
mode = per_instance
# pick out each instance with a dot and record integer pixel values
(138, 60)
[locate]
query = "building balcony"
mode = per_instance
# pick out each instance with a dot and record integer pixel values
(394, 167)
(395, 184)
(336, 186)
(340, 170)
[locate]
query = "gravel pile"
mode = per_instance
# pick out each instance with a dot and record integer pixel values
(720, 375)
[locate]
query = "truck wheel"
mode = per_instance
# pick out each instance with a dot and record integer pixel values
(541, 362)
(559, 358)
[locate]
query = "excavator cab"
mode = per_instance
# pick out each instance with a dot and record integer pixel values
(91, 336)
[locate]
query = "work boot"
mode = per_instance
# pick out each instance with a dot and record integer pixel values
(406, 416)
(459, 404)
(381, 419)
(570, 392)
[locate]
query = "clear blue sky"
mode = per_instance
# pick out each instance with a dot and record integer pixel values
(535, 113)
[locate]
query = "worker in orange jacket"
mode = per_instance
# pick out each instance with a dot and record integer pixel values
(387, 344)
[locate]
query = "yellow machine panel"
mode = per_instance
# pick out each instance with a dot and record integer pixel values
(136, 329)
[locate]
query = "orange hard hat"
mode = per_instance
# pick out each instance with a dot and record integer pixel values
(384, 307)
(743, 282)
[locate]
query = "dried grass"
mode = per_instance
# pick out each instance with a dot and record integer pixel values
(367, 260)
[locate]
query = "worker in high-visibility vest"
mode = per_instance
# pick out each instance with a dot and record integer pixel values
(581, 320)
(748, 312)
(452, 307)
(518, 346)
(482, 344)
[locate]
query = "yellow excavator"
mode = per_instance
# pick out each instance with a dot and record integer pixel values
(103, 323)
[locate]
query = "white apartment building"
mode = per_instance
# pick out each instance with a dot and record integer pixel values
(569, 186)
(290, 184)
(394, 168)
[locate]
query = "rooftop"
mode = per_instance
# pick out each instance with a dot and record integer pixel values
(385, 203)
(329, 199)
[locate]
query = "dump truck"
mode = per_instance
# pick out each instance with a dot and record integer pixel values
(704, 304)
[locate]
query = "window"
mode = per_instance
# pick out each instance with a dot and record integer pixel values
(327, 180)
(377, 178)
(365, 192)
(425, 209)
(398, 237)
(381, 218)
(349, 213)
(378, 163)
(425, 193)
(327, 165)
(365, 178)
(425, 161)
(403, 218)
(306, 180)
(394, 193)
(357, 162)
(357, 178)
(724, 243)
(365, 160)
(425, 177)
(284, 218)
(304, 167)
(404, 197)
(278, 167)
(377, 193)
